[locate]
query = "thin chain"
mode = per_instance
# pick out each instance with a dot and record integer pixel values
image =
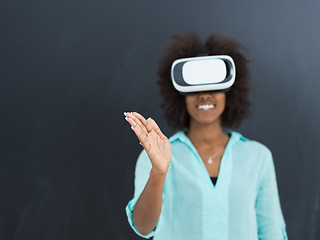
(211, 157)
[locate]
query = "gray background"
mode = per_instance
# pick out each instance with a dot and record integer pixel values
(69, 69)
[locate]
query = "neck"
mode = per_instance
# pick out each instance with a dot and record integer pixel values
(202, 135)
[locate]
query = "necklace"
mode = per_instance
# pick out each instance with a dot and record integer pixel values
(210, 158)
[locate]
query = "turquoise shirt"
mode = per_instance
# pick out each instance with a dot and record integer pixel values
(243, 205)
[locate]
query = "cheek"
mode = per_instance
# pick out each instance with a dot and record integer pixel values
(222, 99)
(189, 102)
(223, 103)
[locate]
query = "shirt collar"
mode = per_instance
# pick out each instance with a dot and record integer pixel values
(181, 136)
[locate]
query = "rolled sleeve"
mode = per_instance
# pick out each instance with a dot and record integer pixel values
(271, 224)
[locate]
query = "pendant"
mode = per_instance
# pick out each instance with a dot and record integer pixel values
(210, 160)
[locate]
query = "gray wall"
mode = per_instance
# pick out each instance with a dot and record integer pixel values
(68, 71)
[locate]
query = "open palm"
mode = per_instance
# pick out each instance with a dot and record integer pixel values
(152, 139)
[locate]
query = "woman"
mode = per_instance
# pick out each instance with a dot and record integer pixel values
(204, 182)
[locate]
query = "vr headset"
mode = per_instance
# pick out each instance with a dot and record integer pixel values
(205, 73)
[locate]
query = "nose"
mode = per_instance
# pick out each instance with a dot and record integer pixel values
(205, 95)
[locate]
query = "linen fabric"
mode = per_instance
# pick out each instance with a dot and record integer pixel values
(244, 203)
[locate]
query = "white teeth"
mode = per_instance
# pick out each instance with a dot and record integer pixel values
(206, 106)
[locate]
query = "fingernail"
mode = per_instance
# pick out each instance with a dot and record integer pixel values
(140, 143)
(124, 113)
(132, 127)
(126, 118)
(149, 118)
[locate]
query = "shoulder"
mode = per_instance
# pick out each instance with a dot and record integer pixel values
(179, 140)
(178, 136)
(251, 150)
(249, 144)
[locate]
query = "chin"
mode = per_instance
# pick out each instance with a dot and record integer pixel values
(208, 121)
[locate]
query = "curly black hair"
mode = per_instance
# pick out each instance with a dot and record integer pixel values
(190, 45)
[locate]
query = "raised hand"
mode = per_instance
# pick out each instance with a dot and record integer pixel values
(152, 139)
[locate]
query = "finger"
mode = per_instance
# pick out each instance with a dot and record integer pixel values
(140, 132)
(143, 138)
(139, 121)
(152, 139)
(142, 120)
(151, 124)
(131, 121)
(132, 116)
(140, 117)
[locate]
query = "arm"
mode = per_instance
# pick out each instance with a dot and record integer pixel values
(148, 207)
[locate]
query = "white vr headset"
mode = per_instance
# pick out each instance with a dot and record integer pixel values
(206, 73)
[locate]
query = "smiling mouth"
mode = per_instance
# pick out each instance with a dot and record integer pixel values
(206, 106)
